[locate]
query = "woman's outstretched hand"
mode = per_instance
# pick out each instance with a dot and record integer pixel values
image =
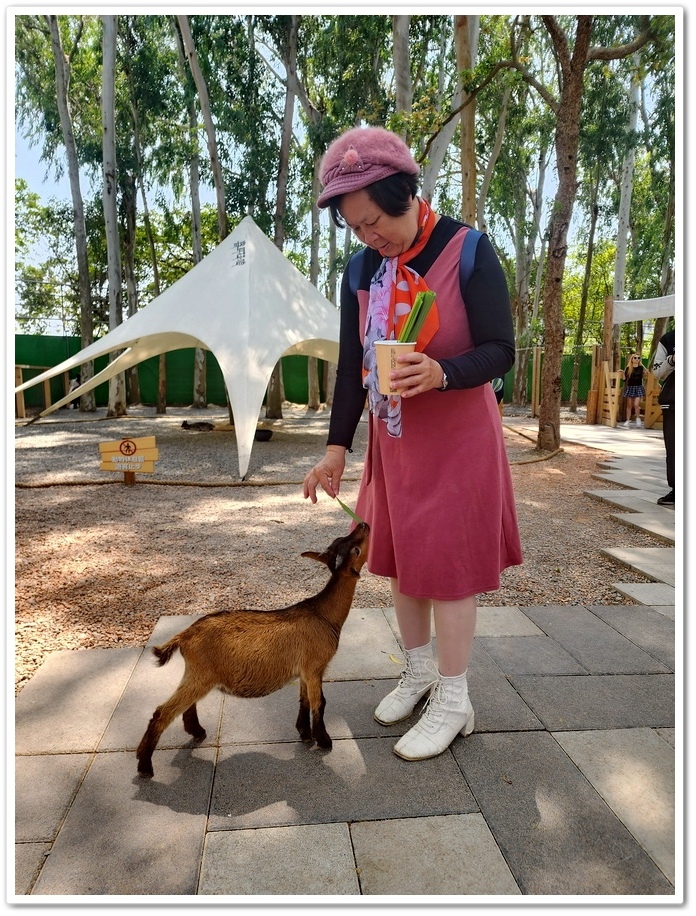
(326, 473)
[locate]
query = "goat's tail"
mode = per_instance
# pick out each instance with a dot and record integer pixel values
(165, 652)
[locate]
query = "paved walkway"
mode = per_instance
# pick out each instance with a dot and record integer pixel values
(565, 789)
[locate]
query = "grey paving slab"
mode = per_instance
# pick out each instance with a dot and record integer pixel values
(280, 784)
(364, 648)
(644, 626)
(531, 655)
(666, 734)
(45, 787)
(652, 485)
(349, 713)
(127, 835)
(653, 593)
(633, 771)
(149, 685)
(634, 465)
(659, 526)
(497, 705)
(299, 860)
(169, 625)
(67, 704)
(655, 563)
(432, 856)
(631, 500)
(504, 621)
(29, 858)
(598, 647)
(602, 701)
(556, 833)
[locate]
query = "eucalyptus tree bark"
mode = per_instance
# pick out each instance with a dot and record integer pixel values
(492, 159)
(571, 67)
(200, 399)
(117, 389)
(528, 294)
(624, 218)
(313, 398)
(147, 225)
(62, 70)
(274, 395)
(402, 64)
(204, 99)
(466, 31)
(465, 40)
(129, 196)
(584, 295)
(295, 86)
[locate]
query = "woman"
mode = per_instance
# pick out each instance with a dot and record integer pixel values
(634, 389)
(436, 488)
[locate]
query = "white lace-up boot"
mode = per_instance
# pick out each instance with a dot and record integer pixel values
(418, 676)
(448, 712)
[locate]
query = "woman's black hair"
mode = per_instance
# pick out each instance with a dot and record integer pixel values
(392, 194)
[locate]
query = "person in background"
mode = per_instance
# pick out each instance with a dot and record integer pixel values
(633, 389)
(436, 488)
(663, 368)
(74, 383)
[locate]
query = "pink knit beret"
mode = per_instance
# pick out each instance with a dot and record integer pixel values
(361, 156)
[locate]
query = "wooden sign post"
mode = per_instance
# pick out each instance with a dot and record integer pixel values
(129, 456)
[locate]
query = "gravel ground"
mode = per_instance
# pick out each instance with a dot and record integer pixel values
(97, 562)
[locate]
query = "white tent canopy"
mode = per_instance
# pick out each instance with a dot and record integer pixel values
(246, 303)
(642, 309)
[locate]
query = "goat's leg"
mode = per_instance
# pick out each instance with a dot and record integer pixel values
(183, 698)
(191, 724)
(303, 724)
(317, 703)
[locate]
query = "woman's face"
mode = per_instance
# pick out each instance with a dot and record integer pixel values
(389, 235)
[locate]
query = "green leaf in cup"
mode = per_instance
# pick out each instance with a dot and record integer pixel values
(416, 317)
(356, 518)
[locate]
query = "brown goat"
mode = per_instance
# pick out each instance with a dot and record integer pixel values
(250, 653)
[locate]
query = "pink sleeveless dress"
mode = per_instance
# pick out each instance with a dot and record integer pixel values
(439, 500)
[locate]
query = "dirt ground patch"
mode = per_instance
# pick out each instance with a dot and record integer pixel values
(97, 564)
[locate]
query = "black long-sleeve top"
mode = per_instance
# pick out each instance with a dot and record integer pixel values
(490, 322)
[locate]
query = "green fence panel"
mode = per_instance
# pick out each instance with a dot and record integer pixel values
(45, 351)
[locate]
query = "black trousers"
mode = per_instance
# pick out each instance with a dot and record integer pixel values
(668, 434)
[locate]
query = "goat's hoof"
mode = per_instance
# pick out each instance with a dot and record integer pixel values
(145, 771)
(199, 736)
(325, 743)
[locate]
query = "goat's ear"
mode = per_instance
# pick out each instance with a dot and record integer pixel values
(314, 555)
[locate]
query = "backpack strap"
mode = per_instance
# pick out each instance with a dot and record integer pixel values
(466, 263)
(467, 258)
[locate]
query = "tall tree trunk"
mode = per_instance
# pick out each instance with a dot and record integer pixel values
(62, 69)
(567, 142)
(579, 331)
(402, 64)
(147, 224)
(204, 99)
(465, 45)
(624, 219)
(274, 395)
(117, 385)
(438, 145)
(129, 198)
(200, 396)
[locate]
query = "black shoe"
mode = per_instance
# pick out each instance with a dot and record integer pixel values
(667, 500)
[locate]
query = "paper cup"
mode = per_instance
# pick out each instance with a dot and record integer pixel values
(386, 352)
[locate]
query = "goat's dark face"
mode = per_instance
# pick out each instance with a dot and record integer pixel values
(349, 552)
